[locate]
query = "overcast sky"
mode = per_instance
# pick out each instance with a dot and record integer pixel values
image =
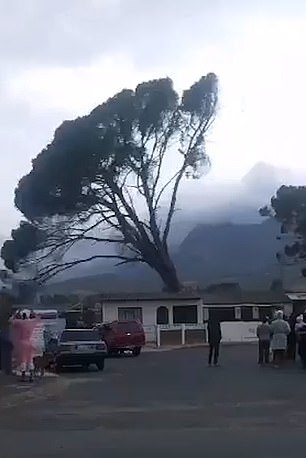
(59, 59)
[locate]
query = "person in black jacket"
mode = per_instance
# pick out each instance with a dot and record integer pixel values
(291, 339)
(301, 337)
(214, 339)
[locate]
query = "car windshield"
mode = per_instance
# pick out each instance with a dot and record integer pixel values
(78, 335)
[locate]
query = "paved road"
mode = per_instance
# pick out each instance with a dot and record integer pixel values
(165, 404)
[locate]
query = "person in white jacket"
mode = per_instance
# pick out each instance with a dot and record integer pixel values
(280, 330)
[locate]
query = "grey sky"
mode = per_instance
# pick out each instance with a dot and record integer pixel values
(61, 58)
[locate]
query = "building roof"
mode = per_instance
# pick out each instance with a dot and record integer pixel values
(297, 296)
(245, 297)
(152, 296)
(218, 298)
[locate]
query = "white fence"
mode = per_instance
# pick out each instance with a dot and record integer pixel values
(183, 328)
(151, 333)
(232, 332)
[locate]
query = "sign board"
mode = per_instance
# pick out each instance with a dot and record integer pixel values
(37, 338)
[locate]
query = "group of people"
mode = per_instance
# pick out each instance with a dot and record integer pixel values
(25, 353)
(27, 344)
(280, 337)
(283, 338)
(23, 345)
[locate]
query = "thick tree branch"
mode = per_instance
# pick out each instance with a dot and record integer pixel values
(173, 203)
(54, 269)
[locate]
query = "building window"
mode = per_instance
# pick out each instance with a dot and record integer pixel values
(222, 314)
(246, 313)
(129, 313)
(162, 315)
(185, 314)
(265, 311)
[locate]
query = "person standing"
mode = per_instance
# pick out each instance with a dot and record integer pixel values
(291, 341)
(280, 330)
(22, 330)
(214, 339)
(264, 338)
(301, 338)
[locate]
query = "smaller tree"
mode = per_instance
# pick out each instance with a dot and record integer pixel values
(288, 207)
(31, 248)
(24, 241)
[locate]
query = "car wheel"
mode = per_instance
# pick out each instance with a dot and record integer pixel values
(136, 351)
(100, 365)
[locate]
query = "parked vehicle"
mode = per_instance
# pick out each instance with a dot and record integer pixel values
(121, 336)
(80, 347)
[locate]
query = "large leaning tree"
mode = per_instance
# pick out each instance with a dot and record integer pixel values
(113, 176)
(288, 207)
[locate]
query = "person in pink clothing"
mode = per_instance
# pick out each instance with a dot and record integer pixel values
(24, 352)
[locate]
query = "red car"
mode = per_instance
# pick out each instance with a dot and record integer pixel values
(121, 336)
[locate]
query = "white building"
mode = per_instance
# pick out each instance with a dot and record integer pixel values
(182, 317)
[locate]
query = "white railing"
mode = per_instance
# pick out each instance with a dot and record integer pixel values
(150, 333)
(175, 327)
(232, 331)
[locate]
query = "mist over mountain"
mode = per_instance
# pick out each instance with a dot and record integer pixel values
(217, 235)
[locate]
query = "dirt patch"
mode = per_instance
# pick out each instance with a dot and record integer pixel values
(13, 392)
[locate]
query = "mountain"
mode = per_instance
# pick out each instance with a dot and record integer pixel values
(230, 252)
(243, 253)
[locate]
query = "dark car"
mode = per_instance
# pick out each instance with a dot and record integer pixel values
(80, 347)
(121, 336)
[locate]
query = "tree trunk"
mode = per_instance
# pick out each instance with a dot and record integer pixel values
(157, 257)
(167, 272)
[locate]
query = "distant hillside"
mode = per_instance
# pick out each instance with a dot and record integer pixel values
(241, 252)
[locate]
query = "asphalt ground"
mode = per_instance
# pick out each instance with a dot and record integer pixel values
(164, 404)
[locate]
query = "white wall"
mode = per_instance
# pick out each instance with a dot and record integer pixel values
(110, 313)
(239, 331)
(110, 310)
